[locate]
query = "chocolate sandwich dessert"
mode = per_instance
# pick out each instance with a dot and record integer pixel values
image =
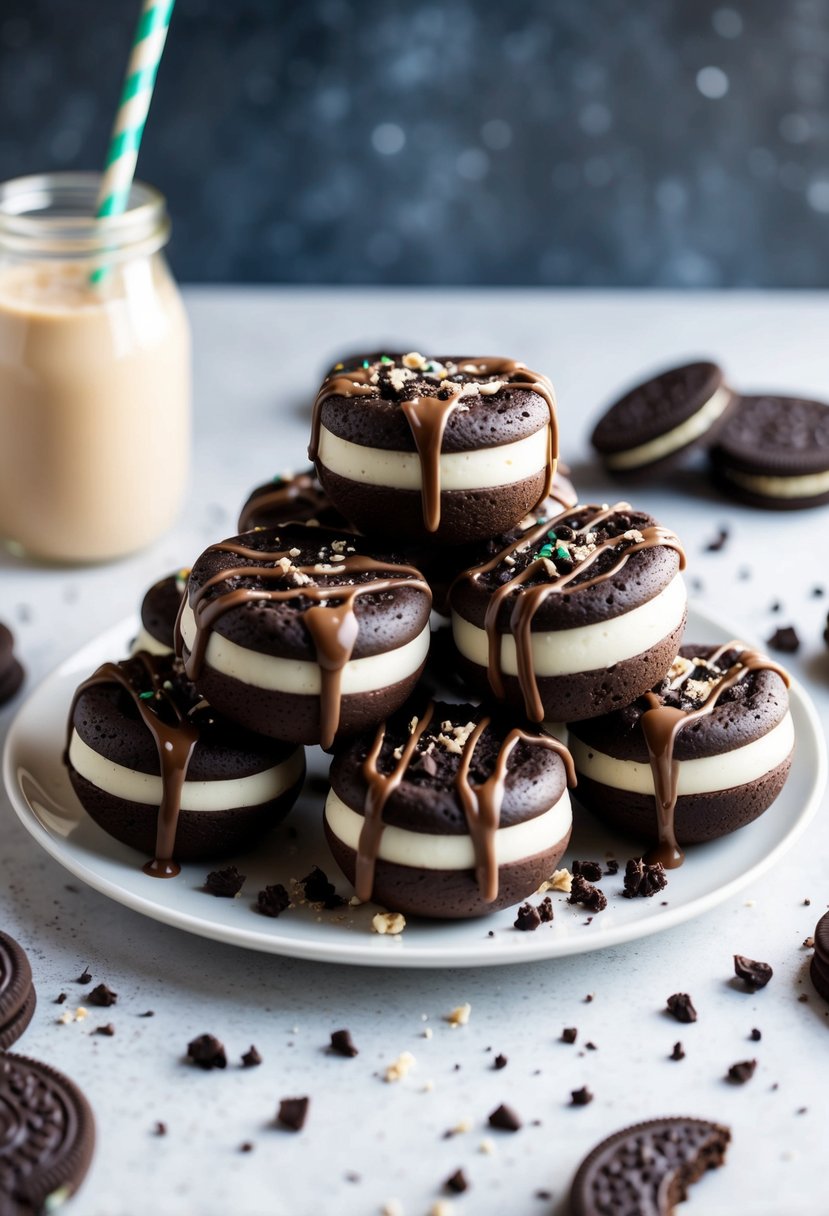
(295, 498)
(159, 610)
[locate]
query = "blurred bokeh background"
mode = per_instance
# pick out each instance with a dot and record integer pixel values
(579, 142)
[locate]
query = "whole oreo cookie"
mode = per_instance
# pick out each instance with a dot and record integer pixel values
(11, 671)
(17, 992)
(654, 425)
(774, 452)
(289, 499)
(819, 969)
(47, 1136)
(646, 1169)
(159, 610)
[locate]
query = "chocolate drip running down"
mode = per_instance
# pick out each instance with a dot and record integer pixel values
(528, 600)
(481, 804)
(662, 723)
(330, 621)
(427, 415)
(298, 498)
(175, 737)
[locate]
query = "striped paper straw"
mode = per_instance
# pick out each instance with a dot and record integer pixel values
(119, 168)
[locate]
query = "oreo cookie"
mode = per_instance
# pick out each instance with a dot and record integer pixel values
(654, 425)
(11, 672)
(774, 452)
(47, 1136)
(647, 1168)
(17, 993)
(819, 970)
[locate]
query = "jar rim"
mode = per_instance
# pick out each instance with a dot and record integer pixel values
(53, 215)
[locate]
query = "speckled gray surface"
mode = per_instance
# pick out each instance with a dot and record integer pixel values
(540, 141)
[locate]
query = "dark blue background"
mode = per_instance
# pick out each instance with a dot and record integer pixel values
(617, 142)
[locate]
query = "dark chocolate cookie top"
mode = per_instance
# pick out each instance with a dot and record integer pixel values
(656, 406)
(48, 1134)
(160, 606)
(295, 498)
(783, 436)
(17, 994)
(11, 671)
(646, 1169)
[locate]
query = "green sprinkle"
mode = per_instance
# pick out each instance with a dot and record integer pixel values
(366, 363)
(277, 480)
(545, 551)
(386, 359)
(562, 552)
(145, 696)
(552, 534)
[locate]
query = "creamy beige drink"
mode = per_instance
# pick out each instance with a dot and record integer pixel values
(94, 402)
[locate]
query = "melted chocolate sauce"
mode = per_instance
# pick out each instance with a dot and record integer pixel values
(427, 415)
(299, 498)
(481, 804)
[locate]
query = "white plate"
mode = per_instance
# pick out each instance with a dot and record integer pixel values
(43, 798)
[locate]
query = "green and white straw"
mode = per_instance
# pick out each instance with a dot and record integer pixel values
(119, 168)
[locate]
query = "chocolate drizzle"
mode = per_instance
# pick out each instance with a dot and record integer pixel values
(299, 499)
(528, 599)
(427, 414)
(481, 803)
(144, 678)
(328, 610)
(662, 723)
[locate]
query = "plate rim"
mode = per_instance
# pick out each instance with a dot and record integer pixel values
(389, 954)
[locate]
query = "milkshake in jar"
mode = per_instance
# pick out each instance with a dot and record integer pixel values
(94, 372)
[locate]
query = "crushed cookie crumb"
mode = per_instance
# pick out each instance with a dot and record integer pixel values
(400, 1068)
(391, 923)
(459, 1016)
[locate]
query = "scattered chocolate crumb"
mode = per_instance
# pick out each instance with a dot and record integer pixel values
(108, 1030)
(160, 1129)
(739, 1073)
(784, 639)
(505, 1119)
(527, 919)
(756, 1035)
(457, 1183)
(802, 1110)
(352, 1176)
(251, 1058)
(682, 1007)
(580, 1097)
(318, 890)
(292, 1113)
(246, 1147)
(207, 1052)
(588, 998)
(85, 977)
(342, 1044)
(776, 606)
(224, 883)
(753, 974)
(149, 1013)
(491, 933)
(584, 893)
(719, 541)
(611, 867)
(499, 1061)
(678, 1052)
(818, 592)
(60, 998)
(803, 998)
(591, 1047)
(102, 996)
(569, 1034)
(542, 1194)
(273, 900)
(697, 585)
(644, 878)
(591, 870)
(545, 909)
(807, 903)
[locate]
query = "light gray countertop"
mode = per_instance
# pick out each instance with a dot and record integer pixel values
(258, 356)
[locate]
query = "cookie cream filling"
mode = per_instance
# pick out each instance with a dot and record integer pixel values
(804, 485)
(708, 775)
(303, 676)
(482, 467)
(676, 438)
(428, 851)
(564, 652)
(134, 786)
(145, 641)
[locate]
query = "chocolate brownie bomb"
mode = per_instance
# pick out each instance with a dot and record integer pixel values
(448, 811)
(296, 498)
(157, 768)
(451, 449)
(302, 634)
(774, 452)
(159, 610)
(654, 425)
(17, 992)
(577, 616)
(704, 753)
(11, 671)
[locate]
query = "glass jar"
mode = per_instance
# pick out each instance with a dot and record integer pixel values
(94, 372)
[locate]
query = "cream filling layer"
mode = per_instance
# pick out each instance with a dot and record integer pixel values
(707, 775)
(480, 468)
(563, 652)
(802, 486)
(302, 676)
(676, 438)
(146, 641)
(428, 851)
(208, 796)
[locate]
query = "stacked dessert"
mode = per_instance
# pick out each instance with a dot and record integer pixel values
(437, 490)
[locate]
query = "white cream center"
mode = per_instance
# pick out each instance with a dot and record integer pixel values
(805, 485)
(676, 438)
(146, 641)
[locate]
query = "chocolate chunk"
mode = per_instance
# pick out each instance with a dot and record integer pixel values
(611, 867)
(580, 1097)
(102, 995)
(678, 1052)
(292, 1113)
(149, 1013)
(719, 541)
(342, 1043)
(818, 592)
(273, 900)
(644, 878)
(584, 893)
(251, 1058)
(108, 1030)
(60, 998)
(160, 1129)
(527, 919)
(224, 883)
(739, 1073)
(457, 1183)
(569, 1034)
(318, 890)
(682, 1007)
(784, 639)
(776, 606)
(545, 909)
(499, 1061)
(756, 1035)
(207, 1052)
(591, 870)
(591, 1046)
(803, 998)
(753, 974)
(85, 977)
(246, 1146)
(505, 1119)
